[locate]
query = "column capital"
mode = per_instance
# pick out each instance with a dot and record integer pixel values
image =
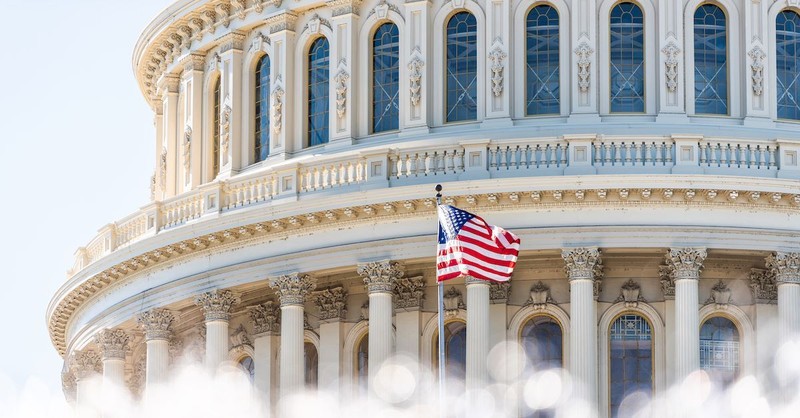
(763, 286)
(667, 274)
(233, 41)
(408, 292)
(114, 343)
(217, 304)
(583, 263)
(168, 83)
(265, 318)
(344, 7)
(785, 267)
(85, 363)
(156, 324)
(194, 62)
(468, 280)
(293, 288)
(331, 303)
(380, 276)
(686, 262)
(283, 21)
(499, 292)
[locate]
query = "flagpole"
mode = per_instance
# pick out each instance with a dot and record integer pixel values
(440, 308)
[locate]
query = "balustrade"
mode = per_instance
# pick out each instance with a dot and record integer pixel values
(423, 163)
(632, 153)
(528, 156)
(730, 154)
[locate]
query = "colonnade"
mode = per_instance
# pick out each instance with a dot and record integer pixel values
(384, 280)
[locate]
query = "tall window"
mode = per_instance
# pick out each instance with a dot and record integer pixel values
(719, 350)
(311, 359)
(787, 57)
(541, 340)
(627, 58)
(710, 61)
(318, 93)
(455, 350)
(385, 78)
(462, 67)
(631, 361)
(261, 140)
(215, 146)
(248, 366)
(542, 67)
(362, 364)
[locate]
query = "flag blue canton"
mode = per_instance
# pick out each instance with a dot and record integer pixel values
(454, 219)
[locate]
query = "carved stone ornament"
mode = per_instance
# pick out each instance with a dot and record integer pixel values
(293, 288)
(667, 281)
(84, 364)
(306, 324)
(276, 101)
(540, 296)
(156, 324)
(162, 168)
(175, 348)
(225, 122)
(340, 81)
(763, 286)
(453, 301)
(671, 51)
(584, 53)
(415, 67)
(409, 292)
(720, 295)
(258, 42)
(153, 187)
(114, 343)
(757, 59)
(217, 304)
(785, 267)
(380, 276)
(365, 311)
(499, 292)
(381, 11)
(187, 149)
(331, 303)
(343, 7)
(630, 293)
(497, 58)
(316, 23)
(686, 262)
(265, 318)
(582, 263)
(240, 338)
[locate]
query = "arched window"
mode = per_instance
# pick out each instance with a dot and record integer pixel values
(311, 359)
(710, 60)
(631, 362)
(455, 350)
(462, 68)
(362, 364)
(248, 366)
(261, 137)
(787, 56)
(318, 80)
(216, 130)
(542, 65)
(719, 349)
(627, 58)
(541, 340)
(385, 78)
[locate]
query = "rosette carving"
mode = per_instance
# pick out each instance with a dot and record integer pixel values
(785, 267)
(114, 343)
(217, 304)
(380, 276)
(686, 262)
(265, 318)
(331, 303)
(293, 288)
(156, 324)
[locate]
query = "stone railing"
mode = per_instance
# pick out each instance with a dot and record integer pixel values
(583, 155)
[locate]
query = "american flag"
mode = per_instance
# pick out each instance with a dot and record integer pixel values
(468, 246)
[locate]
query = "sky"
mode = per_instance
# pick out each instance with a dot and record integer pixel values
(76, 144)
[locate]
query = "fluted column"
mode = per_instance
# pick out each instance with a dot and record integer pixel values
(85, 365)
(786, 269)
(157, 325)
(686, 264)
(584, 267)
(216, 306)
(292, 290)
(477, 332)
(266, 329)
(113, 345)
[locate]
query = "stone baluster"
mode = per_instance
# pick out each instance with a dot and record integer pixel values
(157, 325)
(478, 333)
(266, 328)
(216, 306)
(114, 345)
(292, 290)
(686, 264)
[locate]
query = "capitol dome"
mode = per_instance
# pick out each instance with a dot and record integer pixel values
(645, 152)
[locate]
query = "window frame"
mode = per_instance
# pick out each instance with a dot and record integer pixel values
(306, 90)
(652, 353)
(524, 42)
(729, 98)
(739, 331)
(371, 71)
(255, 116)
(645, 67)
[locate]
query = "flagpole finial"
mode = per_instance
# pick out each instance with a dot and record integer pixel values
(438, 194)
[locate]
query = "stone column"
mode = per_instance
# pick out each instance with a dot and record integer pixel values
(282, 100)
(686, 264)
(332, 310)
(85, 365)
(668, 288)
(786, 268)
(156, 324)
(114, 346)
(230, 141)
(168, 88)
(292, 290)
(478, 332)
(584, 270)
(765, 295)
(216, 306)
(266, 329)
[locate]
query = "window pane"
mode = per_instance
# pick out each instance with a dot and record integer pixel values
(710, 61)
(215, 153)
(542, 69)
(312, 364)
(631, 362)
(318, 74)
(248, 367)
(462, 68)
(541, 341)
(362, 364)
(719, 350)
(262, 109)
(787, 55)
(385, 78)
(455, 351)
(627, 58)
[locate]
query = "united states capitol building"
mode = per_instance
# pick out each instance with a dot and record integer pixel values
(646, 152)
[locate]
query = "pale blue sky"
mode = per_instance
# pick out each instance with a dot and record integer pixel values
(76, 149)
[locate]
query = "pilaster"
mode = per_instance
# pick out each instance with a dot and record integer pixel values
(408, 296)
(332, 309)
(344, 53)
(584, 61)
(231, 96)
(266, 328)
(168, 88)
(192, 126)
(498, 35)
(159, 180)
(757, 91)
(786, 269)
(764, 289)
(686, 264)
(292, 290)
(282, 100)
(217, 305)
(85, 366)
(419, 68)
(671, 84)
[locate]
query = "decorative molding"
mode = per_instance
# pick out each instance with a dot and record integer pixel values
(258, 42)
(316, 22)
(415, 66)
(332, 303)
(284, 21)
(720, 295)
(225, 125)
(194, 62)
(343, 7)
(539, 296)
(265, 318)
(340, 83)
(276, 101)
(757, 60)
(365, 311)
(687, 263)
(631, 294)
(409, 292)
(584, 53)
(217, 304)
(672, 52)
(453, 302)
(240, 340)
(293, 288)
(187, 150)
(497, 57)
(382, 10)
(113, 343)
(785, 267)
(162, 168)
(380, 276)
(156, 324)
(499, 292)
(667, 274)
